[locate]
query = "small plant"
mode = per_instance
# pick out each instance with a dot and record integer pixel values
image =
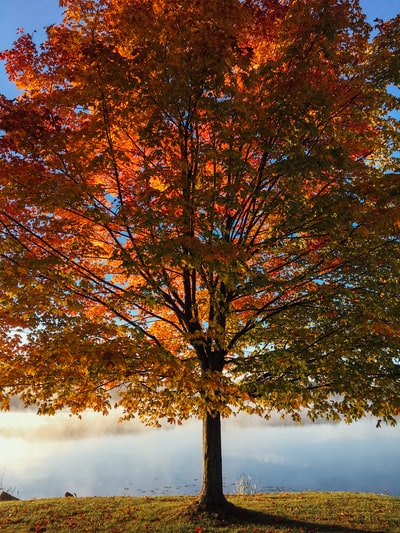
(244, 486)
(10, 490)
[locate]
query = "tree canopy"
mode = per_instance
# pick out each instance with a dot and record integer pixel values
(199, 209)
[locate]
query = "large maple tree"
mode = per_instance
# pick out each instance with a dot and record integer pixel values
(199, 211)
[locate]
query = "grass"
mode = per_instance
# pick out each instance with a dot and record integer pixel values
(311, 512)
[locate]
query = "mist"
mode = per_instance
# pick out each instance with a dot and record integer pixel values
(46, 456)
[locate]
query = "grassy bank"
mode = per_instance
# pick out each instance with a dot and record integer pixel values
(264, 513)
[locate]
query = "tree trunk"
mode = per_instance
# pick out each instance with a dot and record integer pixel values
(212, 497)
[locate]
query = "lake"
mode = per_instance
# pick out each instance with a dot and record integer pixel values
(97, 456)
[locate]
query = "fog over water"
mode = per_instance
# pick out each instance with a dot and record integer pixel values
(96, 456)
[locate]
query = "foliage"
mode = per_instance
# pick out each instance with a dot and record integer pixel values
(199, 208)
(204, 214)
(286, 512)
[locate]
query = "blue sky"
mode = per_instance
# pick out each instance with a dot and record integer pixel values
(37, 14)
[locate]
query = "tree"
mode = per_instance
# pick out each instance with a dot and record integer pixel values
(200, 210)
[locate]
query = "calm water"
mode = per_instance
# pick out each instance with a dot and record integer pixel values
(44, 457)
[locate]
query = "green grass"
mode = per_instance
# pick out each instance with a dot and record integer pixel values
(310, 512)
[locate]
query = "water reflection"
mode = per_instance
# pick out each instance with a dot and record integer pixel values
(44, 457)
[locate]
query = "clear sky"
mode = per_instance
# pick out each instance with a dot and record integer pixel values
(36, 14)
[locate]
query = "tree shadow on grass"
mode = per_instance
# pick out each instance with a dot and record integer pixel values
(236, 516)
(258, 517)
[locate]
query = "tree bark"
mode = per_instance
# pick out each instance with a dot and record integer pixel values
(212, 497)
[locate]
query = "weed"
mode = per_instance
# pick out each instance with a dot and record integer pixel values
(10, 490)
(244, 486)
